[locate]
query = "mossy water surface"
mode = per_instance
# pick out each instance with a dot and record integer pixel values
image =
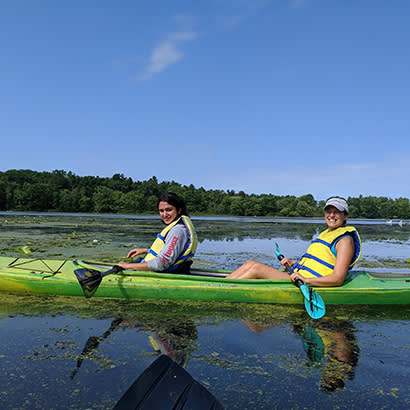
(77, 353)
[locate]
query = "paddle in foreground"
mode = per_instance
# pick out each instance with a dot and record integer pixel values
(313, 302)
(165, 385)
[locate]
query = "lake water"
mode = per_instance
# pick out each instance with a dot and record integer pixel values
(59, 353)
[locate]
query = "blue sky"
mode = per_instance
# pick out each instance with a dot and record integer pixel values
(265, 96)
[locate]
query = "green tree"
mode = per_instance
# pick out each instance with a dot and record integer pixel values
(237, 207)
(401, 208)
(33, 197)
(133, 202)
(369, 208)
(309, 200)
(152, 204)
(3, 195)
(66, 201)
(354, 207)
(106, 200)
(287, 205)
(304, 209)
(28, 190)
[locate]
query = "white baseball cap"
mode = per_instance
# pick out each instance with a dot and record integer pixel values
(338, 203)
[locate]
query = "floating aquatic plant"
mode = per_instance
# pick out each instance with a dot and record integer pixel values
(24, 249)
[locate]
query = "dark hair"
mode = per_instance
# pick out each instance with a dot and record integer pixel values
(175, 200)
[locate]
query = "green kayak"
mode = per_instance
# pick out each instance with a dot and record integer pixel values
(58, 277)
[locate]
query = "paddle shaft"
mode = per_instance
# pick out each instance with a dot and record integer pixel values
(298, 282)
(114, 269)
(314, 304)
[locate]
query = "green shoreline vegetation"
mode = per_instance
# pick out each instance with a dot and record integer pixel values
(62, 191)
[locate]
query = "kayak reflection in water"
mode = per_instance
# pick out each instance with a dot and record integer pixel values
(174, 247)
(329, 344)
(328, 258)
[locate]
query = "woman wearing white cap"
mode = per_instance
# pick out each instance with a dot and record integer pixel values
(326, 261)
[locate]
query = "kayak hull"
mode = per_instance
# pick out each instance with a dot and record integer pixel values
(56, 277)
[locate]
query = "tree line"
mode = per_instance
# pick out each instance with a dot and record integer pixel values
(62, 191)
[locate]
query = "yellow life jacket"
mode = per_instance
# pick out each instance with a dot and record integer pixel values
(159, 243)
(320, 258)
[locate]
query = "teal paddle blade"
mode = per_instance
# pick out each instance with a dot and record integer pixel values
(313, 302)
(313, 345)
(278, 253)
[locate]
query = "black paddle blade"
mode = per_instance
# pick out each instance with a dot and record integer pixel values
(165, 385)
(89, 280)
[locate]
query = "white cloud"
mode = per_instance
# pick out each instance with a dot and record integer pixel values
(167, 53)
(239, 11)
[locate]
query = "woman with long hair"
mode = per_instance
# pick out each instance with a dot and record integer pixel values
(175, 245)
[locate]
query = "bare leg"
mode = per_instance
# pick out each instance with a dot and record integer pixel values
(255, 270)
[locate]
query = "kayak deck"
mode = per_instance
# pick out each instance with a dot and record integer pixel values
(56, 277)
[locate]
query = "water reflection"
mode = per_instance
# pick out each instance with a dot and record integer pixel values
(329, 344)
(334, 346)
(175, 338)
(92, 343)
(248, 356)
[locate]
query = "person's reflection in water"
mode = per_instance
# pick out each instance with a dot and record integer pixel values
(328, 343)
(259, 325)
(342, 353)
(175, 338)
